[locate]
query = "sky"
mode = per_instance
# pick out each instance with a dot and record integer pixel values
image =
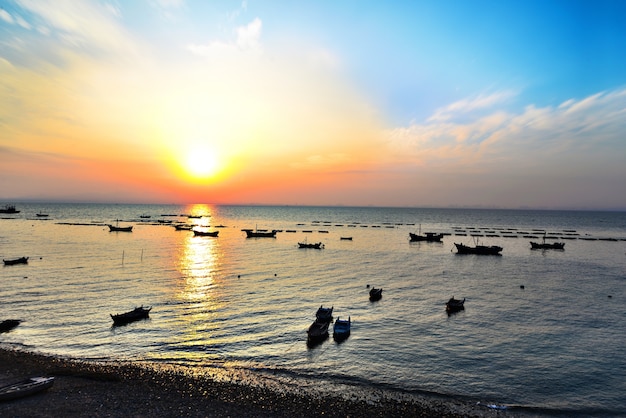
(498, 104)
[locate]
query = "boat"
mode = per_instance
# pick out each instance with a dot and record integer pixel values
(455, 305)
(317, 332)
(8, 324)
(376, 294)
(546, 245)
(117, 228)
(428, 236)
(317, 245)
(260, 234)
(131, 316)
(9, 209)
(41, 215)
(341, 329)
(183, 227)
(478, 249)
(324, 314)
(205, 233)
(20, 260)
(25, 387)
(345, 238)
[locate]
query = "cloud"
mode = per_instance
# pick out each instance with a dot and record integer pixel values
(469, 105)
(248, 39)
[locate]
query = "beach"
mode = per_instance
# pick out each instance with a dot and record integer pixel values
(96, 390)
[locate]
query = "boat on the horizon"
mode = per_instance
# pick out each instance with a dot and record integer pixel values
(316, 245)
(25, 387)
(9, 209)
(20, 260)
(41, 215)
(131, 316)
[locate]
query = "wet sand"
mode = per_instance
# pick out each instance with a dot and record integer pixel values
(85, 389)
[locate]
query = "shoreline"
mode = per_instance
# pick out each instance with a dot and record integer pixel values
(91, 389)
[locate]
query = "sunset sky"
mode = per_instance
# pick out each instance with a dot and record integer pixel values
(439, 103)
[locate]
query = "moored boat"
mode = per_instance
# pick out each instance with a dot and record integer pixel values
(376, 294)
(341, 329)
(198, 233)
(25, 387)
(8, 324)
(317, 332)
(116, 228)
(131, 316)
(324, 314)
(12, 261)
(455, 305)
(478, 249)
(543, 245)
(316, 245)
(9, 209)
(428, 237)
(250, 233)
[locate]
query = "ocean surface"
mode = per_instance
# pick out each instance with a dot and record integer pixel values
(543, 331)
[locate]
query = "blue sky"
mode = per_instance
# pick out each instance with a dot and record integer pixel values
(426, 103)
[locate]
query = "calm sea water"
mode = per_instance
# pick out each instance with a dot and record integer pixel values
(555, 346)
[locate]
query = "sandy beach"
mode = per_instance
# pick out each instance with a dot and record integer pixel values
(84, 389)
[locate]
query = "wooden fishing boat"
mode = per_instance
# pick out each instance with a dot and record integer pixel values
(341, 329)
(455, 305)
(324, 314)
(543, 245)
(183, 227)
(131, 316)
(9, 209)
(376, 294)
(20, 260)
(8, 324)
(478, 249)
(25, 387)
(117, 228)
(256, 233)
(198, 233)
(317, 332)
(316, 245)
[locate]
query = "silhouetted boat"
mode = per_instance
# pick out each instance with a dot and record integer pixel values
(20, 260)
(317, 332)
(346, 238)
(25, 387)
(376, 294)
(316, 245)
(455, 305)
(428, 236)
(9, 209)
(41, 215)
(324, 314)
(131, 316)
(117, 228)
(547, 245)
(183, 227)
(260, 234)
(341, 329)
(478, 249)
(9, 324)
(205, 233)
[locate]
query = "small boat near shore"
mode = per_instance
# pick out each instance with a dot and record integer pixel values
(341, 329)
(8, 324)
(324, 314)
(317, 332)
(455, 305)
(25, 387)
(12, 261)
(117, 228)
(131, 316)
(427, 236)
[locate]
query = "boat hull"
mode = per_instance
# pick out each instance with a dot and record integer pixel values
(478, 250)
(25, 387)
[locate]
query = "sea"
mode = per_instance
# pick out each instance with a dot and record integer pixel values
(543, 332)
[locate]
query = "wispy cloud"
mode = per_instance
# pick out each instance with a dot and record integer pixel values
(247, 39)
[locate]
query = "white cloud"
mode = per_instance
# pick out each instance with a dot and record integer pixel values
(247, 40)
(6, 16)
(471, 104)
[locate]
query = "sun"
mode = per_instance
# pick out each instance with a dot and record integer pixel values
(201, 162)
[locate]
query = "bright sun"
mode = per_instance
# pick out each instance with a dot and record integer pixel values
(201, 162)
